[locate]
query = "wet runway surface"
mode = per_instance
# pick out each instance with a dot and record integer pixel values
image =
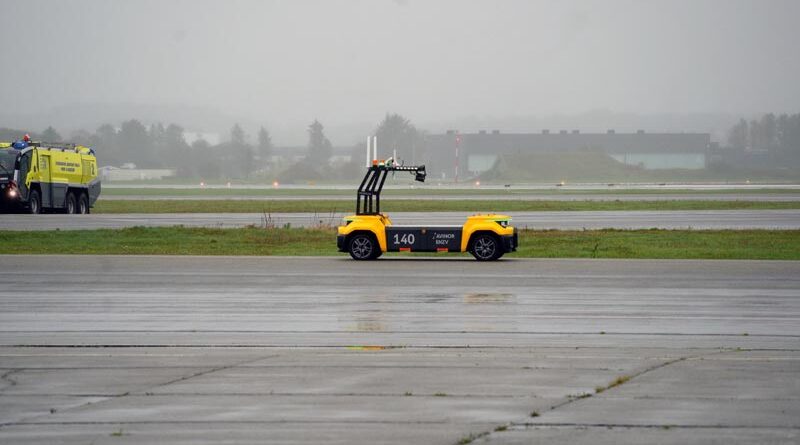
(311, 350)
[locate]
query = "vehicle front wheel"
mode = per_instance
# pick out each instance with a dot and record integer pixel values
(486, 247)
(363, 247)
(71, 205)
(83, 204)
(35, 203)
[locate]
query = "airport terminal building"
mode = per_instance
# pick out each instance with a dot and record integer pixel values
(477, 152)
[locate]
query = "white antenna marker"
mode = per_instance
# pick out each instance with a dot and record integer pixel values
(369, 140)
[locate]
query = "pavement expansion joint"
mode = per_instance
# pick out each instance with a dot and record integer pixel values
(575, 398)
(208, 371)
(717, 398)
(648, 426)
(485, 333)
(627, 378)
(292, 346)
(238, 422)
(332, 395)
(148, 389)
(7, 378)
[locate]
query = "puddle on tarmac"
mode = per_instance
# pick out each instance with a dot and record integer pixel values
(488, 298)
(434, 298)
(377, 320)
(367, 321)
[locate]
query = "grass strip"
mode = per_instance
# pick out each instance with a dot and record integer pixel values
(410, 205)
(653, 244)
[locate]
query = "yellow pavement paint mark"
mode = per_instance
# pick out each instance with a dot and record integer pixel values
(366, 348)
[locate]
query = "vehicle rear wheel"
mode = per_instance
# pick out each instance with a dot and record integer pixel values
(71, 204)
(486, 247)
(363, 247)
(83, 204)
(35, 203)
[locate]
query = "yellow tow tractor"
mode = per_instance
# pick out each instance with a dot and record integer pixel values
(369, 233)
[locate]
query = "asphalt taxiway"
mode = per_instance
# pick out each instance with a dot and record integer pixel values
(677, 219)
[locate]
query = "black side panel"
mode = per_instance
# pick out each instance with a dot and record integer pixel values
(405, 238)
(423, 239)
(44, 193)
(449, 239)
(94, 191)
(59, 192)
(24, 166)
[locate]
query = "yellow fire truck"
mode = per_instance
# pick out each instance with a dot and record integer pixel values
(42, 176)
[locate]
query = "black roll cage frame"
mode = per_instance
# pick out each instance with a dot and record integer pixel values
(372, 185)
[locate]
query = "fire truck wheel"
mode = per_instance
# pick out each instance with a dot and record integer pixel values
(71, 205)
(35, 203)
(83, 204)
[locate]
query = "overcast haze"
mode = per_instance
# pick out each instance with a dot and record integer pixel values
(282, 62)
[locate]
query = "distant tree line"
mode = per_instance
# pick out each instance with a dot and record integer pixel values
(770, 132)
(395, 133)
(160, 146)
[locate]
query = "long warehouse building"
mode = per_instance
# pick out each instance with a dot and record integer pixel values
(477, 152)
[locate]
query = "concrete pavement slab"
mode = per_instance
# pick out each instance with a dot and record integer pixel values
(310, 350)
(666, 435)
(730, 390)
(237, 433)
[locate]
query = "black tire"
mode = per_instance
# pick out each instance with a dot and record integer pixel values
(83, 204)
(363, 247)
(71, 204)
(34, 203)
(486, 247)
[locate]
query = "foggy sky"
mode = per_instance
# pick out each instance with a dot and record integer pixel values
(352, 61)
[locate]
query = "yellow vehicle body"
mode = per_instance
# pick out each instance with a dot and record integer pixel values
(374, 224)
(368, 233)
(49, 177)
(488, 228)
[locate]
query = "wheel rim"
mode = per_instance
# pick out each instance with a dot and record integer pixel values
(70, 206)
(485, 247)
(35, 205)
(82, 207)
(361, 247)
